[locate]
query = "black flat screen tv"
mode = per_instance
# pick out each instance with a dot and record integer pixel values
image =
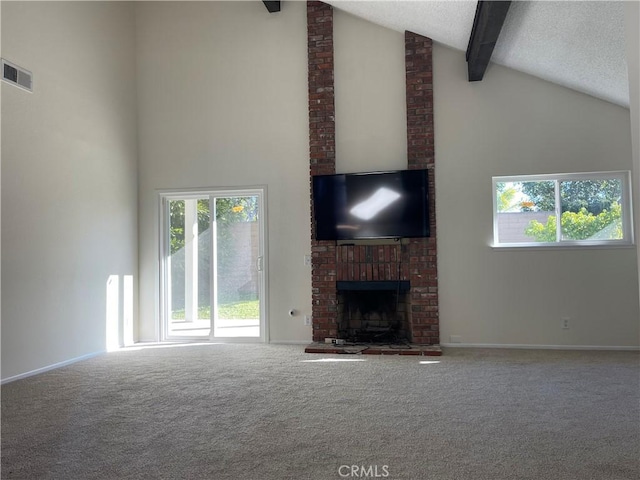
(371, 205)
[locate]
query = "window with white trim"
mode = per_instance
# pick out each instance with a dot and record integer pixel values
(571, 209)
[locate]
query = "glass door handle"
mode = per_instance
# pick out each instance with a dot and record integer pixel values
(259, 264)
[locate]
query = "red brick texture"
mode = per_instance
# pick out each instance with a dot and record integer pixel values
(372, 262)
(415, 261)
(420, 154)
(322, 125)
(322, 160)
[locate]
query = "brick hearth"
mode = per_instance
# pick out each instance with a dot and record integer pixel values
(413, 260)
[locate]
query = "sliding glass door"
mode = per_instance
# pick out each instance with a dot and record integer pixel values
(212, 265)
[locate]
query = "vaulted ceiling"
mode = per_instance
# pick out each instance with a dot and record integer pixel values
(577, 44)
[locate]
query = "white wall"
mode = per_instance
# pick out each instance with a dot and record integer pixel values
(370, 96)
(632, 37)
(0, 197)
(68, 178)
(508, 124)
(514, 124)
(222, 102)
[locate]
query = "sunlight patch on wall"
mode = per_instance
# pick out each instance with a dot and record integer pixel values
(127, 314)
(112, 314)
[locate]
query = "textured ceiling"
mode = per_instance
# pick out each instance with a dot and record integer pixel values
(577, 44)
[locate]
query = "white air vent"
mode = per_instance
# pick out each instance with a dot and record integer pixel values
(17, 76)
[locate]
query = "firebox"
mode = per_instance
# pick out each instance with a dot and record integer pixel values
(373, 311)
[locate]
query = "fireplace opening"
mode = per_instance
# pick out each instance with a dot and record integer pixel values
(373, 312)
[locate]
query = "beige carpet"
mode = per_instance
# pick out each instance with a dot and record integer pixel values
(274, 412)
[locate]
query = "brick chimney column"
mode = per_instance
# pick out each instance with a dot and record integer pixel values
(322, 160)
(423, 266)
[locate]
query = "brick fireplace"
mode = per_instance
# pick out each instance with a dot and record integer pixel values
(373, 311)
(411, 261)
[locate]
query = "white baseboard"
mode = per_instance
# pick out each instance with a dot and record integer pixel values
(289, 342)
(541, 347)
(51, 367)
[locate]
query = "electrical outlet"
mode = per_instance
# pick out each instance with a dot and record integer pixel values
(455, 339)
(307, 260)
(307, 320)
(564, 323)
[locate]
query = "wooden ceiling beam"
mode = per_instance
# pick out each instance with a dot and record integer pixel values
(273, 7)
(490, 16)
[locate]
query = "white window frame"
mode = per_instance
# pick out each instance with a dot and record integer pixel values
(164, 196)
(627, 214)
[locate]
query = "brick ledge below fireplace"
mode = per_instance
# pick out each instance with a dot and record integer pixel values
(376, 349)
